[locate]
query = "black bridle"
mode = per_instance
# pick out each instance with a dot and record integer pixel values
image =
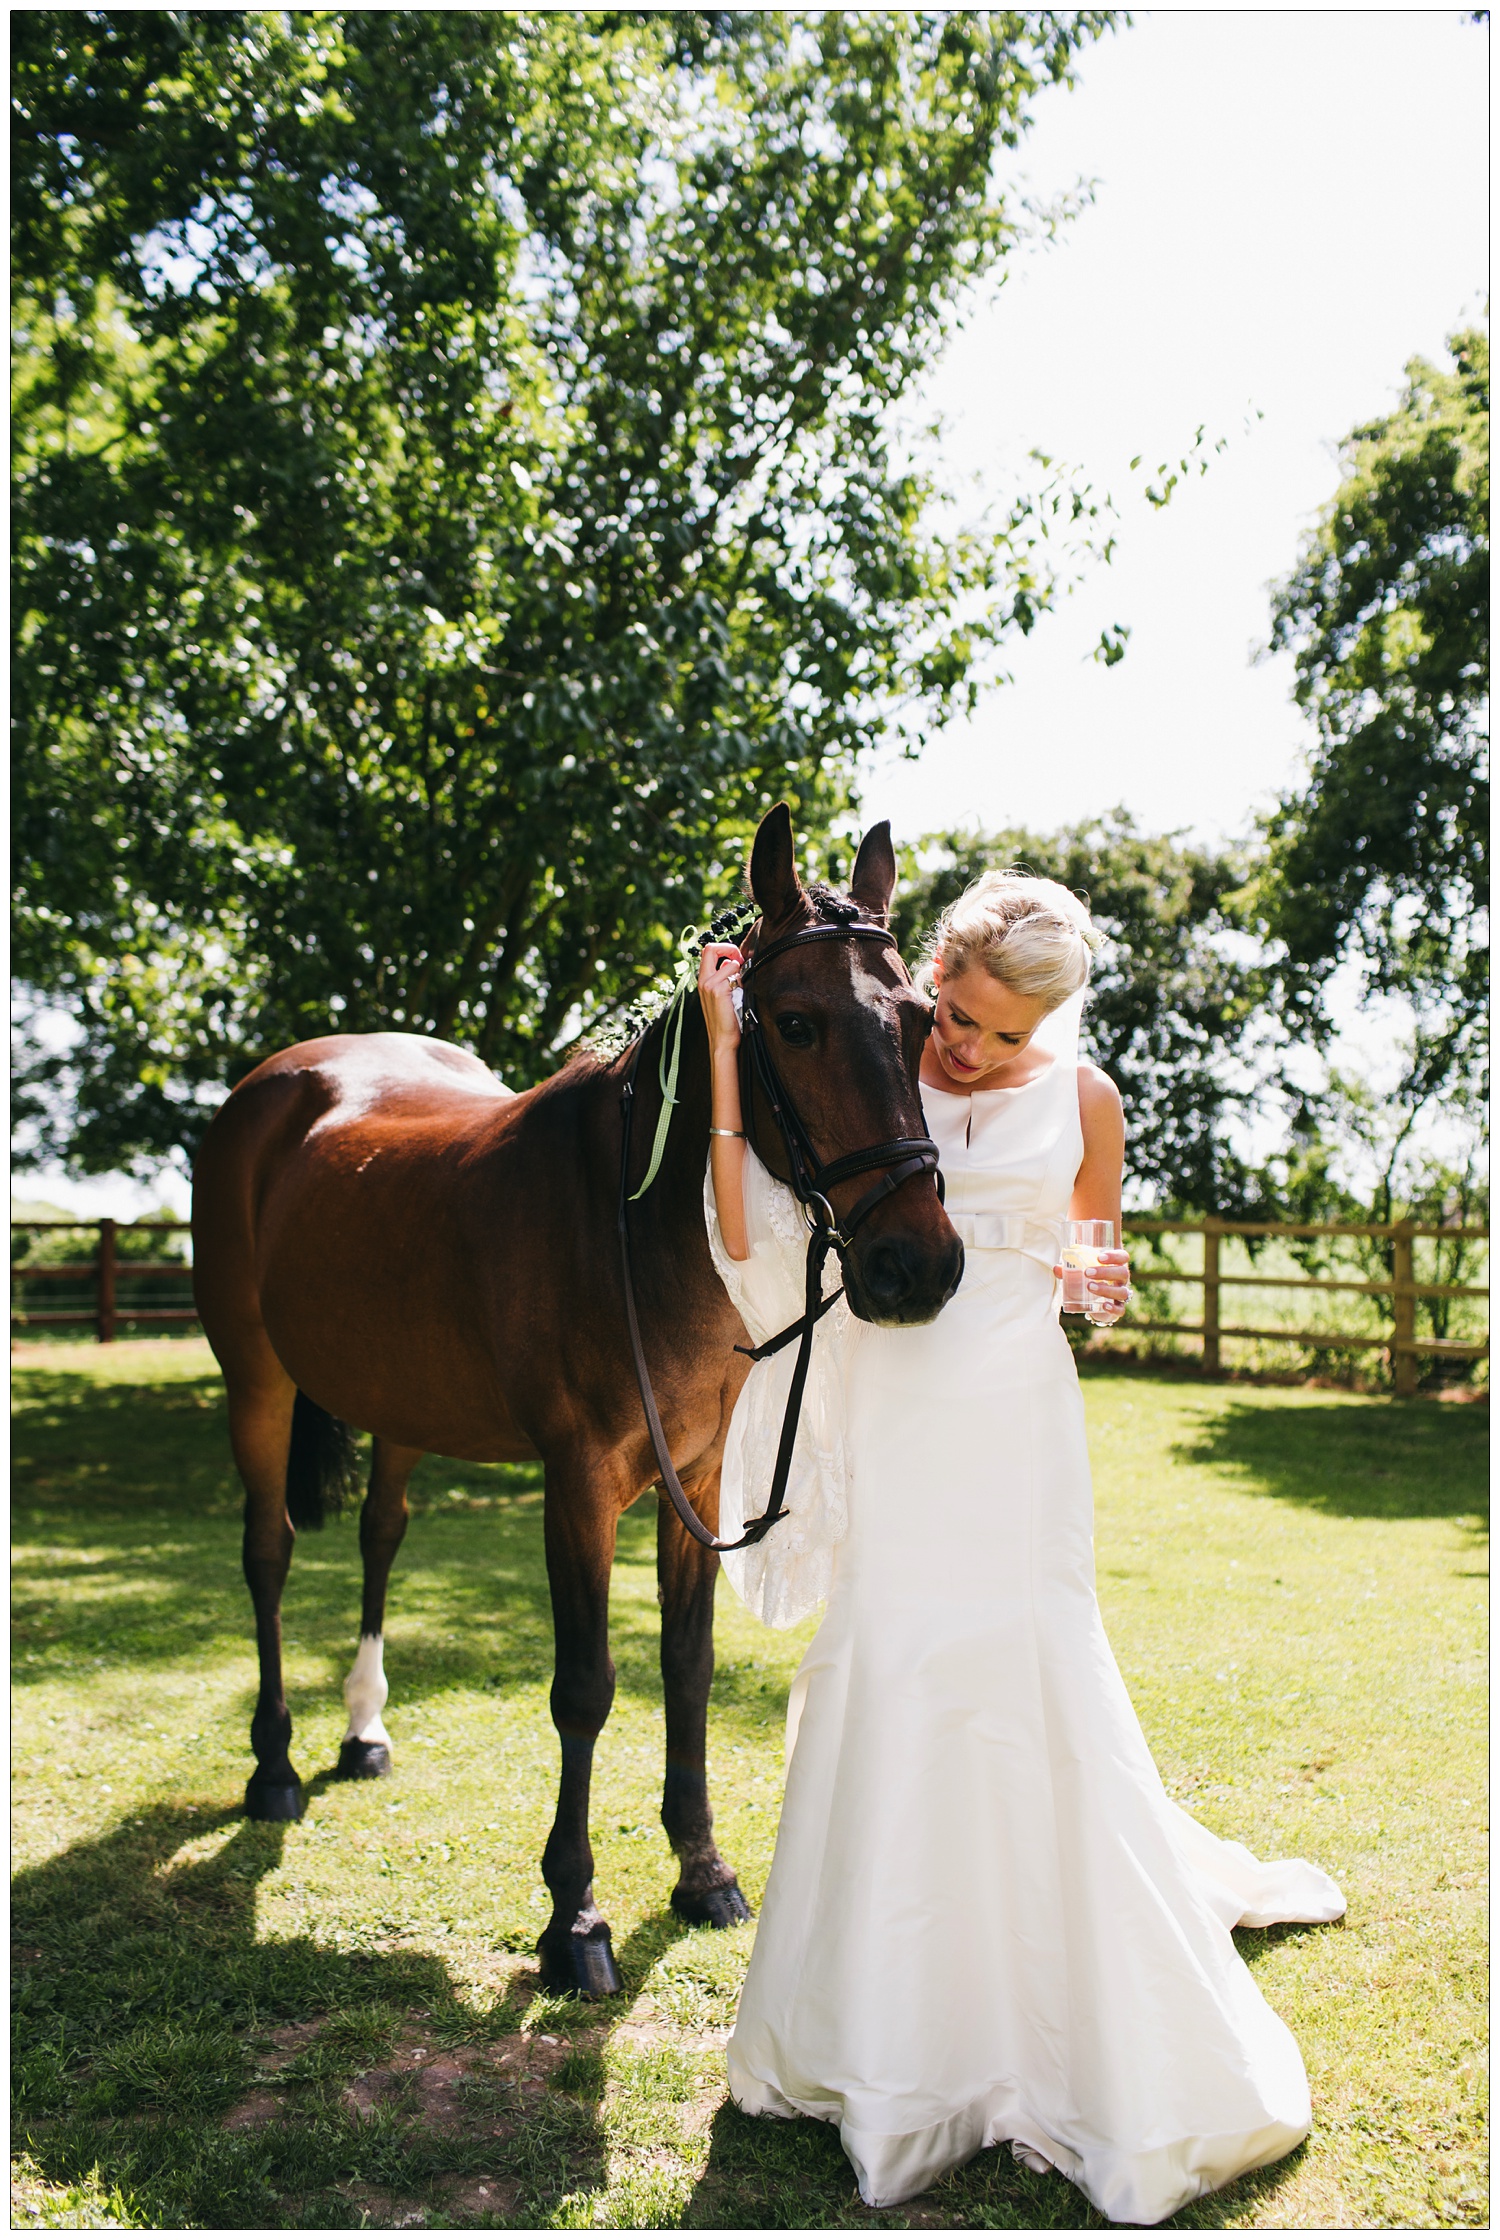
(811, 1180)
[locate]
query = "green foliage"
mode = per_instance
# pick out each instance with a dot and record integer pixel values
(1411, 1182)
(1381, 856)
(455, 496)
(50, 1248)
(1172, 997)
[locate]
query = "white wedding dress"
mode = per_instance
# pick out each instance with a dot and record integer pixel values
(986, 1920)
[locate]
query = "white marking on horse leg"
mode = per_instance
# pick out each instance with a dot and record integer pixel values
(365, 1692)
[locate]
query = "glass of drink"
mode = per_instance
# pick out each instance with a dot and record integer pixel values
(1083, 1241)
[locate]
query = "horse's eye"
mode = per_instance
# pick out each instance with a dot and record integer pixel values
(796, 1030)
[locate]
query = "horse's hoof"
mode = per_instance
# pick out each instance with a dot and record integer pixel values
(267, 1799)
(723, 1908)
(363, 1761)
(581, 1964)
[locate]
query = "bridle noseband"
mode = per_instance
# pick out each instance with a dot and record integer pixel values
(811, 1180)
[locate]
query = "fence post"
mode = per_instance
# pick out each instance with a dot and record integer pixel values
(106, 1281)
(1211, 1295)
(1403, 1313)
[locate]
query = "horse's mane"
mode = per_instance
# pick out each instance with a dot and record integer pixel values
(829, 904)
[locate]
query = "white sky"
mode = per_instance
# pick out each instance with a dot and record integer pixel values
(1288, 207)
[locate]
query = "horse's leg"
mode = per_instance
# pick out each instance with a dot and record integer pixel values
(365, 1752)
(260, 1431)
(687, 1575)
(581, 1515)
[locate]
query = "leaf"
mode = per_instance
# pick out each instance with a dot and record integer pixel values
(408, 401)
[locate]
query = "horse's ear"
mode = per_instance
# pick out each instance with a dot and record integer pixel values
(773, 866)
(874, 880)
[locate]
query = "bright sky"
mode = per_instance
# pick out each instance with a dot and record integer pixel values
(1288, 207)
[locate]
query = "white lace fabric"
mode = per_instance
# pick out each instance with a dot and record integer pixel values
(786, 1575)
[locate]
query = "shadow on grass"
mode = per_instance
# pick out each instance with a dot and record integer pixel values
(138, 1997)
(1377, 1459)
(128, 1563)
(143, 2000)
(137, 1478)
(766, 2174)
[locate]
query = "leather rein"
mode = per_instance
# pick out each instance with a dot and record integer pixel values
(811, 1180)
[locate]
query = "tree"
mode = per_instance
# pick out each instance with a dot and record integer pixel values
(1357, 1155)
(1380, 857)
(1171, 1016)
(455, 495)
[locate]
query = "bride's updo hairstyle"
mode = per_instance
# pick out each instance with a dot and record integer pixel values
(1030, 934)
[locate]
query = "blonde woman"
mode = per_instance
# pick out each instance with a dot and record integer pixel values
(985, 1921)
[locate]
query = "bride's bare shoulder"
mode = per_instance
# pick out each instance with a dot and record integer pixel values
(1095, 1085)
(1096, 1092)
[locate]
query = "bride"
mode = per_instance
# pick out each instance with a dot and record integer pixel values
(985, 1920)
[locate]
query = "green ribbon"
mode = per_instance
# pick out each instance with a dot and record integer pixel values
(689, 943)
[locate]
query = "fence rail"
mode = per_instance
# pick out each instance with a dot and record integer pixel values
(1404, 1348)
(104, 1271)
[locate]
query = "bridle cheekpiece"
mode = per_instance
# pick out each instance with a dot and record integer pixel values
(812, 1180)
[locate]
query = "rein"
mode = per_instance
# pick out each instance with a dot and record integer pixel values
(811, 1179)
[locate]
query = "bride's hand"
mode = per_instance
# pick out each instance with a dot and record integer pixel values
(719, 969)
(1109, 1286)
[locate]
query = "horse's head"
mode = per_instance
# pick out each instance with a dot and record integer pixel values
(844, 1029)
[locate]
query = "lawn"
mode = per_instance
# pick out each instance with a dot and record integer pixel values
(338, 2023)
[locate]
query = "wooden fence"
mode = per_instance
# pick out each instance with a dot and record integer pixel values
(103, 1273)
(1404, 1347)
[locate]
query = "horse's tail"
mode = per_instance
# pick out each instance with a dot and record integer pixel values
(322, 1468)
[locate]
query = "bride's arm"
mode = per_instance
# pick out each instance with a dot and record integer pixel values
(718, 976)
(1097, 1191)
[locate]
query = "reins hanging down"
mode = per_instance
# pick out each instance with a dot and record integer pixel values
(811, 1180)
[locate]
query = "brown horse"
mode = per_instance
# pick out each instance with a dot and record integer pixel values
(384, 1237)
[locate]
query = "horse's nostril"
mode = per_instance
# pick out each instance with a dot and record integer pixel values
(897, 1279)
(887, 1273)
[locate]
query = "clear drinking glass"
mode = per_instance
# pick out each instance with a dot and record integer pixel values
(1083, 1241)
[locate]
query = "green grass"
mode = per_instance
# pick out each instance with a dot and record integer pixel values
(337, 2024)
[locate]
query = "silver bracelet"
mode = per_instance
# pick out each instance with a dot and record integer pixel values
(737, 1133)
